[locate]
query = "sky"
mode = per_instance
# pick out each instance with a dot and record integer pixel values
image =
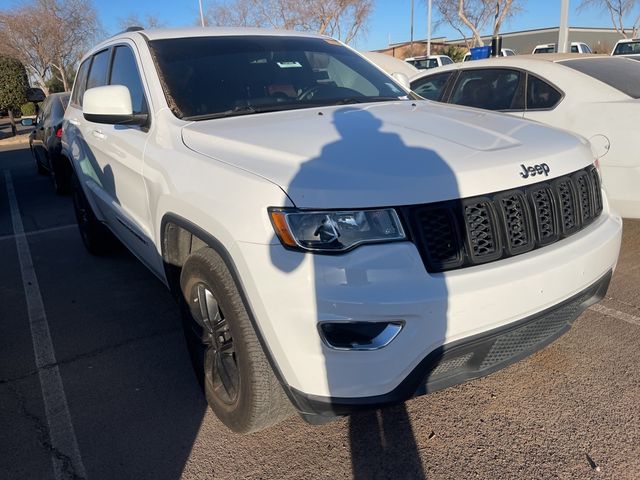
(389, 21)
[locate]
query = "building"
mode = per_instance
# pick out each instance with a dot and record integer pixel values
(405, 49)
(601, 40)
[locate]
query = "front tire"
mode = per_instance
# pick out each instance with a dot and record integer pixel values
(238, 381)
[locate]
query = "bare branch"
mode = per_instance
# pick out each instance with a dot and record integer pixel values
(344, 19)
(618, 10)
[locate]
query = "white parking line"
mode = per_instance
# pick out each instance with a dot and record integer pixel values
(40, 232)
(65, 453)
(610, 312)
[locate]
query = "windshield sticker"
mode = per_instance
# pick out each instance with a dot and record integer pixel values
(289, 64)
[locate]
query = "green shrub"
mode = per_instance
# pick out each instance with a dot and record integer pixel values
(29, 109)
(454, 52)
(13, 83)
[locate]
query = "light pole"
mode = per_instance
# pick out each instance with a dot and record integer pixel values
(201, 14)
(563, 34)
(411, 28)
(429, 28)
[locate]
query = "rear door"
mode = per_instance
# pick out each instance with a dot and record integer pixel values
(497, 89)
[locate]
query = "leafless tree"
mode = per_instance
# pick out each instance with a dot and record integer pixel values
(619, 10)
(133, 20)
(344, 19)
(473, 16)
(49, 36)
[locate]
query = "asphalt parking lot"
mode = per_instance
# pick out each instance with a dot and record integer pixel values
(131, 406)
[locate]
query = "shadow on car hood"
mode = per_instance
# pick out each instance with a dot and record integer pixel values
(392, 153)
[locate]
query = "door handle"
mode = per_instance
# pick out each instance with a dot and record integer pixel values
(98, 134)
(73, 121)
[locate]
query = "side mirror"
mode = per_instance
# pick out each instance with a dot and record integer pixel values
(110, 104)
(35, 95)
(27, 122)
(402, 79)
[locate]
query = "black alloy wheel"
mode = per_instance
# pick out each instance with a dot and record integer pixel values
(220, 363)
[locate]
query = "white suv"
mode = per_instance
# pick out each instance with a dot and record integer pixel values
(335, 243)
(627, 47)
(427, 62)
(576, 47)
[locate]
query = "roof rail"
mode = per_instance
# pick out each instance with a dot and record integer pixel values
(128, 29)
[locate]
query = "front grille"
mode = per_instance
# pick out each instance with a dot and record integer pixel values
(473, 231)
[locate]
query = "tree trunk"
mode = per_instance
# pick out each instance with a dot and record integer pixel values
(476, 35)
(65, 82)
(14, 131)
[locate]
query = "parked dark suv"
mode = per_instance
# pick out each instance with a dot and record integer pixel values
(44, 142)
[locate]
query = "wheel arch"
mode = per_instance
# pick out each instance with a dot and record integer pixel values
(178, 239)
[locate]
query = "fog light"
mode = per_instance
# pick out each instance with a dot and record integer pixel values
(359, 335)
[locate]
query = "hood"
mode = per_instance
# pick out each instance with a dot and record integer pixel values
(386, 154)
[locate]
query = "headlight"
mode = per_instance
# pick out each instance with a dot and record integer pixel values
(335, 231)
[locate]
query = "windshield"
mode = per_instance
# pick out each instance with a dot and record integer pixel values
(628, 48)
(545, 50)
(210, 77)
(620, 73)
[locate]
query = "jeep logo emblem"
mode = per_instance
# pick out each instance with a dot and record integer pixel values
(540, 169)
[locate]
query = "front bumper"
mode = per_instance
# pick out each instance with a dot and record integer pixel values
(289, 293)
(470, 358)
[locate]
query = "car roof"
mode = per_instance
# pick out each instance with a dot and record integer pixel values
(423, 57)
(543, 45)
(59, 94)
(558, 57)
(191, 32)
(629, 40)
(390, 64)
(527, 62)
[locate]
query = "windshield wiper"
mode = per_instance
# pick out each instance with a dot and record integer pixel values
(354, 100)
(250, 110)
(232, 112)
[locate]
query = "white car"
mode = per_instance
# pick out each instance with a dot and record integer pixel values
(594, 96)
(427, 62)
(576, 47)
(504, 52)
(399, 69)
(335, 244)
(627, 47)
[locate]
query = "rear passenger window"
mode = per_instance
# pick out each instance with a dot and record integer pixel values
(81, 82)
(491, 89)
(124, 71)
(431, 87)
(541, 95)
(98, 72)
